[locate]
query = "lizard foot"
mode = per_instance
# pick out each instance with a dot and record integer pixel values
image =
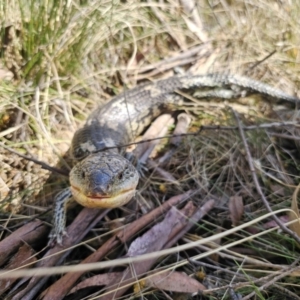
(56, 237)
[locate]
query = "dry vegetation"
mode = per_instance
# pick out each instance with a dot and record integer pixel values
(61, 58)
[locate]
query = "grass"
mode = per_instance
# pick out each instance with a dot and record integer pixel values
(65, 57)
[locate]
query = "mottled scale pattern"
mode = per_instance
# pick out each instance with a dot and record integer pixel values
(110, 172)
(106, 179)
(126, 115)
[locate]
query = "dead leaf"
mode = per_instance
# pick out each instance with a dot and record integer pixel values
(277, 189)
(98, 280)
(267, 225)
(182, 126)
(158, 128)
(156, 237)
(236, 209)
(60, 288)
(174, 282)
(272, 223)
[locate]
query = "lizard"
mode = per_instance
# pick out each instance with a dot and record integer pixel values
(103, 177)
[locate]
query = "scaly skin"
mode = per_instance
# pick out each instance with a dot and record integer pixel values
(104, 178)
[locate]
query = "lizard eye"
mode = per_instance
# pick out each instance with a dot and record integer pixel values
(82, 174)
(79, 153)
(120, 176)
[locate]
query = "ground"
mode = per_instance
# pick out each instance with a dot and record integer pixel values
(60, 59)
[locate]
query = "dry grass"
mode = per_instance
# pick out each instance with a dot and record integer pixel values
(67, 56)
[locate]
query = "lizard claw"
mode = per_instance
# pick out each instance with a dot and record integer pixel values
(56, 237)
(141, 168)
(58, 231)
(139, 164)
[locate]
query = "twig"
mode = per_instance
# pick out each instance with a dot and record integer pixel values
(240, 258)
(211, 127)
(188, 217)
(118, 286)
(86, 220)
(196, 217)
(285, 136)
(292, 268)
(255, 179)
(260, 61)
(194, 22)
(36, 161)
(28, 234)
(161, 17)
(202, 128)
(173, 60)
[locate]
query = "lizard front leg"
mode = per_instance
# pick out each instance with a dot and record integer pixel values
(59, 215)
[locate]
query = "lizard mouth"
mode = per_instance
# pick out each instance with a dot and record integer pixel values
(102, 201)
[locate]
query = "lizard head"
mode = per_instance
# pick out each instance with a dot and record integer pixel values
(103, 180)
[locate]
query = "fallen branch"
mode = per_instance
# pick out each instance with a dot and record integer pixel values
(61, 287)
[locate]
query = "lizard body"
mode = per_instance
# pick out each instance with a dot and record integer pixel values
(106, 179)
